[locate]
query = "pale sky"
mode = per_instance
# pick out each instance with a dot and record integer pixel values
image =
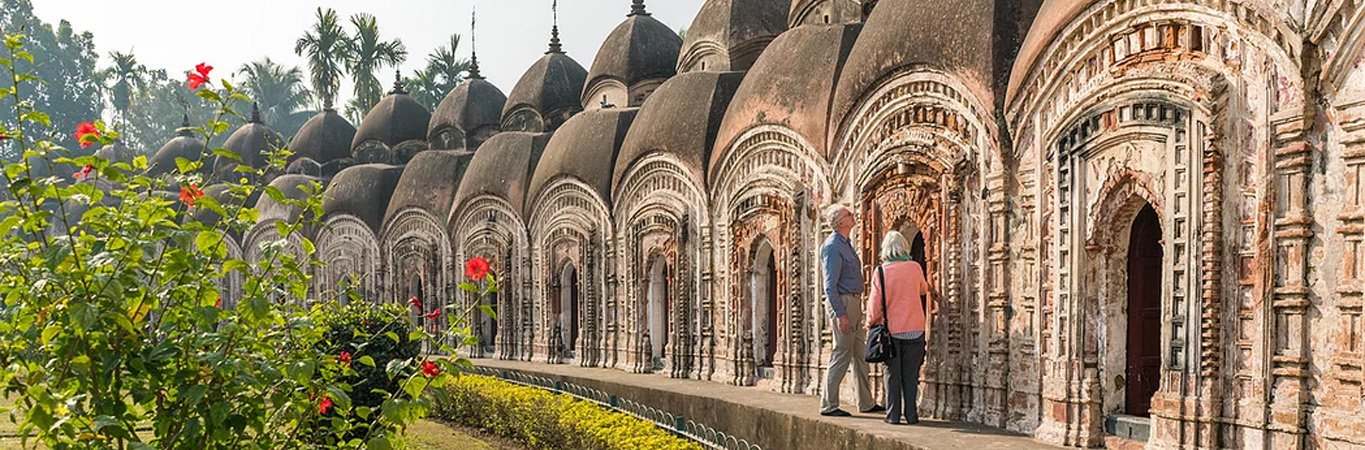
(176, 34)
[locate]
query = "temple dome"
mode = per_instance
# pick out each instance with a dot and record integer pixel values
(951, 36)
(467, 116)
(638, 56)
(292, 186)
(325, 137)
(585, 148)
(794, 96)
(362, 191)
(116, 152)
(827, 12)
(393, 131)
(250, 142)
(546, 96)
(728, 35)
(184, 145)
(682, 118)
(503, 167)
(430, 182)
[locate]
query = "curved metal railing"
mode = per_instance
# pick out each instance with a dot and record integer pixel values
(701, 433)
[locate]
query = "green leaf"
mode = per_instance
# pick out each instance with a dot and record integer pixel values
(339, 397)
(185, 165)
(50, 333)
(210, 242)
(275, 194)
(379, 443)
(394, 367)
(415, 386)
(308, 247)
(229, 154)
(366, 360)
(36, 117)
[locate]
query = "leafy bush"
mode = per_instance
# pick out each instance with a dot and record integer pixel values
(545, 420)
(374, 336)
(114, 329)
(368, 339)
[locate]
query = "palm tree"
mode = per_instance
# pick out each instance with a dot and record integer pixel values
(127, 75)
(281, 93)
(426, 87)
(443, 63)
(327, 47)
(370, 53)
(443, 72)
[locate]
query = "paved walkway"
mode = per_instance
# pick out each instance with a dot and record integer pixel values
(800, 411)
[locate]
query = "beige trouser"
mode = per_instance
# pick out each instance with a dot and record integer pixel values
(849, 348)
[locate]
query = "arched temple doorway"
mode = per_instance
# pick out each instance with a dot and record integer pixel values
(566, 319)
(762, 308)
(659, 306)
(1144, 312)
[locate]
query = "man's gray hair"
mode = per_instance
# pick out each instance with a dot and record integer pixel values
(833, 212)
(894, 246)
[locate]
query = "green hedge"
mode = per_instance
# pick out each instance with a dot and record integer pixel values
(545, 420)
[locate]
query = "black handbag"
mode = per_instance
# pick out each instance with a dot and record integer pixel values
(880, 346)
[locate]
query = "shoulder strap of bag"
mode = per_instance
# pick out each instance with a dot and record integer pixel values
(881, 278)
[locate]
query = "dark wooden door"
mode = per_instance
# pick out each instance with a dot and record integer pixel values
(1144, 312)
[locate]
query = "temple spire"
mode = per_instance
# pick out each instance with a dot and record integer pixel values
(474, 47)
(185, 129)
(637, 8)
(554, 29)
(398, 82)
(255, 113)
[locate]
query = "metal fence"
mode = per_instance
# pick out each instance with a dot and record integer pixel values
(704, 434)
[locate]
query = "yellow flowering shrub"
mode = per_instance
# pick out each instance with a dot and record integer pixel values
(545, 420)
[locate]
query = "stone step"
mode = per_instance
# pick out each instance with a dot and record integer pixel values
(1128, 427)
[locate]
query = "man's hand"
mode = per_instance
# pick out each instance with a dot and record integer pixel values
(844, 326)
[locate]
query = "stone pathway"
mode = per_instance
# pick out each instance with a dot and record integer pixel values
(775, 421)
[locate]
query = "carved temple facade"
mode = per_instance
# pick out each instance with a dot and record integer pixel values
(1125, 207)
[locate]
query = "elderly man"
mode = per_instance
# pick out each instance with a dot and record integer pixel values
(843, 286)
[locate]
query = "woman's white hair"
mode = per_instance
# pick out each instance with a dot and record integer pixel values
(894, 246)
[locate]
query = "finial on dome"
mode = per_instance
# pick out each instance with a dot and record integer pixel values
(398, 82)
(555, 47)
(637, 8)
(474, 47)
(255, 113)
(184, 129)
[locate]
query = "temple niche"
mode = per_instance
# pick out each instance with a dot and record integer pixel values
(1141, 219)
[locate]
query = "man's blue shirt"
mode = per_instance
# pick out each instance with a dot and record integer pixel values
(843, 271)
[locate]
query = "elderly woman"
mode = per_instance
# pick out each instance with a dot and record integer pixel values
(900, 282)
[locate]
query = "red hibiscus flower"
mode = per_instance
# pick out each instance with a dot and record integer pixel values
(189, 194)
(218, 304)
(433, 314)
(430, 369)
(416, 303)
(4, 136)
(476, 269)
(324, 405)
(84, 173)
(199, 77)
(86, 133)
(345, 358)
